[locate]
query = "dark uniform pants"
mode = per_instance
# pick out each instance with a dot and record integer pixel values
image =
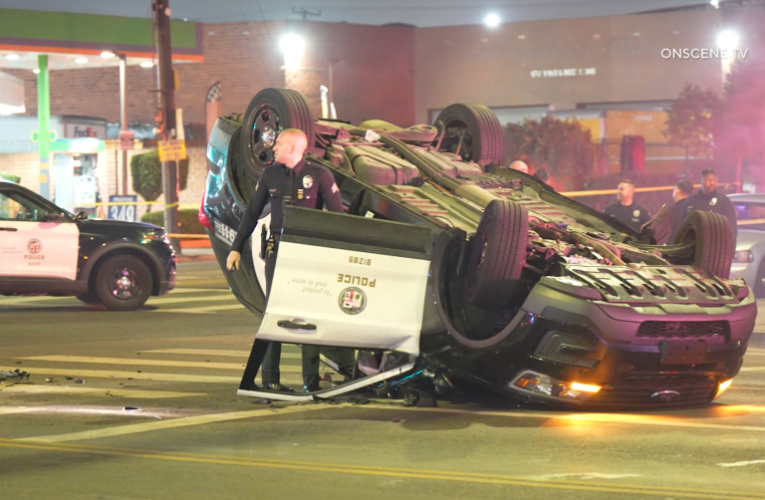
(264, 355)
(269, 372)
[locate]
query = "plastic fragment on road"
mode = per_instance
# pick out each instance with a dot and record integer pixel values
(13, 375)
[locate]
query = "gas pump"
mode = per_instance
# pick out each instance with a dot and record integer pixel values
(76, 178)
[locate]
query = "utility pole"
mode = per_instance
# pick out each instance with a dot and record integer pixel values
(165, 79)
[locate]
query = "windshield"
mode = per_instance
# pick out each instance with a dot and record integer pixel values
(750, 215)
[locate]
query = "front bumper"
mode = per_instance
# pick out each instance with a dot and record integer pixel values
(634, 355)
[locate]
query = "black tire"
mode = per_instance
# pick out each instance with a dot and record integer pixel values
(497, 254)
(759, 284)
(484, 141)
(713, 237)
(269, 112)
(123, 283)
(88, 298)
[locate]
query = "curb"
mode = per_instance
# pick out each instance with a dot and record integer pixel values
(195, 258)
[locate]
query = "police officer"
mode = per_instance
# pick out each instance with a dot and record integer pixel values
(681, 192)
(292, 181)
(708, 198)
(626, 210)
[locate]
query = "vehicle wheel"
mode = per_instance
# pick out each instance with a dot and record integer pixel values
(270, 112)
(759, 285)
(497, 254)
(713, 237)
(123, 283)
(88, 298)
(483, 140)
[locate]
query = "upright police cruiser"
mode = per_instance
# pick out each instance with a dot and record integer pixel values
(45, 249)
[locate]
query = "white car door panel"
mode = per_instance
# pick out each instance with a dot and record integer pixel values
(329, 290)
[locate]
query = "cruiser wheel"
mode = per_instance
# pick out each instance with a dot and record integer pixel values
(123, 283)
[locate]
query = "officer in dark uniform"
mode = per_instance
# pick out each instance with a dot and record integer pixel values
(292, 181)
(710, 199)
(626, 210)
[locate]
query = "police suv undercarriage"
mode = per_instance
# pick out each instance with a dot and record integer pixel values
(449, 273)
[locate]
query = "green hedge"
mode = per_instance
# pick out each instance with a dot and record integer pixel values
(189, 220)
(147, 175)
(10, 177)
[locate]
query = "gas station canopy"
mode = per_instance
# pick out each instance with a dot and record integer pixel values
(85, 40)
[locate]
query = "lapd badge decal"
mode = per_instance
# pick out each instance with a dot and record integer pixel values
(713, 202)
(34, 246)
(636, 213)
(352, 301)
(307, 181)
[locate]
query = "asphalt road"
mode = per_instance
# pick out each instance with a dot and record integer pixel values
(156, 417)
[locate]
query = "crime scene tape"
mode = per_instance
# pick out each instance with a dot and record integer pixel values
(600, 192)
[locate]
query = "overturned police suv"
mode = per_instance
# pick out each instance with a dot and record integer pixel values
(450, 270)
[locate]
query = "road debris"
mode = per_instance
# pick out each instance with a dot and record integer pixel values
(13, 375)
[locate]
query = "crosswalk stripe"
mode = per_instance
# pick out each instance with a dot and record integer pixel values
(182, 300)
(47, 298)
(87, 391)
(219, 352)
(203, 310)
(165, 377)
(153, 376)
(150, 362)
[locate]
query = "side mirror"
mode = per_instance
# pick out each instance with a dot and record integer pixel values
(54, 217)
(81, 215)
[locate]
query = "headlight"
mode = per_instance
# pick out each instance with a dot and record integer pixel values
(743, 256)
(156, 236)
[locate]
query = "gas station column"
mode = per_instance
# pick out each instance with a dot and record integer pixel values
(43, 124)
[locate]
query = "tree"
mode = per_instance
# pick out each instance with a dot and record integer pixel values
(741, 123)
(563, 147)
(146, 170)
(691, 121)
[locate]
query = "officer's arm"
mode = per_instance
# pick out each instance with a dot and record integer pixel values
(250, 218)
(330, 193)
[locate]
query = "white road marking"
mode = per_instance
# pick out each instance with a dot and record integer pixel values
(139, 362)
(170, 424)
(203, 310)
(164, 377)
(742, 464)
(753, 369)
(582, 475)
(89, 391)
(183, 300)
(218, 352)
(4, 301)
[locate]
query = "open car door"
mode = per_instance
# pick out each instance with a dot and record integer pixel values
(348, 281)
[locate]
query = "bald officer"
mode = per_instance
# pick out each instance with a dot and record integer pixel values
(295, 182)
(627, 210)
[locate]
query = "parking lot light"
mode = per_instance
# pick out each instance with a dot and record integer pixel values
(81, 60)
(727, 40)
(147, 64)
(292, 47)
(492, 20)
(107, 55)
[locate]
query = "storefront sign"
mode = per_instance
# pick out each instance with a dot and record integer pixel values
(78, 131)
(172, 150)
(555, 73)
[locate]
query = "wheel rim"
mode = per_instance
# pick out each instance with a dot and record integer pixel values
(265, 129)
(124, 284)
(452, 139)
